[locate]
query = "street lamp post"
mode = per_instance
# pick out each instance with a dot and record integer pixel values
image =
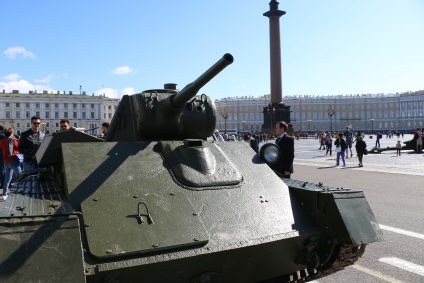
(331, 113)
(372, 125)
(224, 115)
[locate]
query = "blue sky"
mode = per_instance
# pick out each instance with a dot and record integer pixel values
(124, 47)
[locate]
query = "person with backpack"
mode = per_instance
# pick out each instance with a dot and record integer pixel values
(348, 135)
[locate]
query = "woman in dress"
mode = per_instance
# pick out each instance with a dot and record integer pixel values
(361, 148)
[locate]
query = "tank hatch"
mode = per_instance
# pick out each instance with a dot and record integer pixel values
(123, 225)
(200, 165)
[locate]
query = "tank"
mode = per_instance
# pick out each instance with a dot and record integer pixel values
(161, 201)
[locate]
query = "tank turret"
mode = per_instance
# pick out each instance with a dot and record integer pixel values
(168, 114)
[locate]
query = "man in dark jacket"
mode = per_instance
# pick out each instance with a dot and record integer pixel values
(284, 165)
(29, 142)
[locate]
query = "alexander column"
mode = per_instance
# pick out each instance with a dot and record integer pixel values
(276, 110)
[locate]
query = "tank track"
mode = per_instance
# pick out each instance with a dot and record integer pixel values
(346, 255)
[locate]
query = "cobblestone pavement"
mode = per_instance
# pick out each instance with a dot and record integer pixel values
(410, 163)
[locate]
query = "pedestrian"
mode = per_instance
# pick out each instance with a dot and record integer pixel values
(340, 144)
(378, 137)
(1, 158)
(328, 143)
(419, 140)
(218, 136)
(322, 141)
(398, 148)
(105, 129)
(284, 164)
(29, 142)
(64, 125)
(361, 149)
(9, 148)
(348, 135)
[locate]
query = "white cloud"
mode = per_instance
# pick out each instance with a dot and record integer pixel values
(13, 52)
(114, 93)
(23, 86)
(45, 80)
(123, 70)
(12, 77)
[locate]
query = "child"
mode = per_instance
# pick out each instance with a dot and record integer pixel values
(398, 148)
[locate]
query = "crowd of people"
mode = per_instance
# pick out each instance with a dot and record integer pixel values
(17, 152)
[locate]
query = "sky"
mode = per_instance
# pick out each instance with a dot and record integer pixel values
(122, 47)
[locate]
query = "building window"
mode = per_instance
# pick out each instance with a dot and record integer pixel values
(109, 107)
(37, 105)
(47, 125)
(65, 105)
(92, 106)
(28, 125)
(27, 115)
(18, 104)
(47, 115)
(110, 115)
(18, 125)
(74, 105)
(56, 115)
(65, 114)
(92, 115)
(37, 113)
(7, 114)
(83, 115)
(27, 105)
(57, 125)
(83, 106)
(56, 105)
(7, 104)
(18, 115)
(75, 125)
(74, 115)
(47, 105)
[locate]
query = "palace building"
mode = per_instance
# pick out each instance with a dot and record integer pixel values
(366, 112)
(82, 111)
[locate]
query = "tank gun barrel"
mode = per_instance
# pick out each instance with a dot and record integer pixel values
(190, 90)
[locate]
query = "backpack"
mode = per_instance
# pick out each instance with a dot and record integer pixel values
(416, 136)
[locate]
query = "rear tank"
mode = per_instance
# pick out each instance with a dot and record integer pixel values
(160, 201)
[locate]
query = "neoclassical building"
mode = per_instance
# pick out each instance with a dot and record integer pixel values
(83, 111)
(366, 112)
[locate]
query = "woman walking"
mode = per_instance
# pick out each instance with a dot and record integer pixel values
(340, 144)
(9, 148)
(361, 149)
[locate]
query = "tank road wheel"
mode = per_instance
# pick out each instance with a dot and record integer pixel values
(341, 257)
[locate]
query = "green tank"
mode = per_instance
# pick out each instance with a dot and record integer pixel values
(161, 201)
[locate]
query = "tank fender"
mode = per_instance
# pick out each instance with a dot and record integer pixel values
(344, 214)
